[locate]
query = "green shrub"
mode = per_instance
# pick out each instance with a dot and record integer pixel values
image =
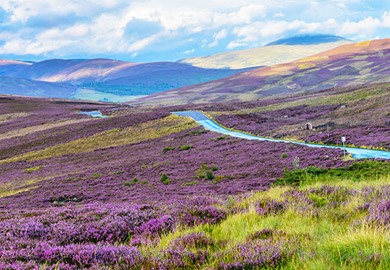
(204, 172)
(318, 200)
(131, 182)
(96, 175)
(220, 138)
(284, 155)
(210, 175)
(185, 147)
(165, 179)
(166, 149)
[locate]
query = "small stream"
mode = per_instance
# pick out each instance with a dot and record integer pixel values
(211, 125)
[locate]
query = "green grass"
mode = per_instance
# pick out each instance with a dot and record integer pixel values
(33, 169)
(358, 171)
(111, 138)
(329, 236)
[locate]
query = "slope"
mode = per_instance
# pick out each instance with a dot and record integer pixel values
(280, 51)
(353, 64)
(106, 76)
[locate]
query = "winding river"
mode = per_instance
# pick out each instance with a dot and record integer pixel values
(211, 125)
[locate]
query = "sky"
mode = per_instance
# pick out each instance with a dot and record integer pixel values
(170, 30)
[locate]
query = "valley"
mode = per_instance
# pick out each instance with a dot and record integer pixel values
(190, 171)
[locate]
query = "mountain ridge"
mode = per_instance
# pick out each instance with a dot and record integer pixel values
(264, 56)
(353, 64)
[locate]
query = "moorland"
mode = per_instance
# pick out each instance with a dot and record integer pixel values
(142, 188)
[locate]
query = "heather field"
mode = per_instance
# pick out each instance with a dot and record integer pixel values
(145, 189)
(362, 114)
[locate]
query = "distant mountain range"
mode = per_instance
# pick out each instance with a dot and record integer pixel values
(352, 64)
(280, 51)
(287, 66)
(105, 76)
(310, 39)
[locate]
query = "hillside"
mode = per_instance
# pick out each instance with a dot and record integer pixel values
(105, 76)
(146, 189)
(351, 64)
(280, 51)
(25, 87)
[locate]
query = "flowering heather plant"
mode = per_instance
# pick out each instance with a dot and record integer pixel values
(380, 213)
(266, 207)
(193, 241)
(203, 214)
(334, 195)
(156, 226)
(299, 201)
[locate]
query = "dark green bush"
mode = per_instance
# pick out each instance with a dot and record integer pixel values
(185, 147)
(205, 172)
(165, 179)
(131, 182)
(166, 149)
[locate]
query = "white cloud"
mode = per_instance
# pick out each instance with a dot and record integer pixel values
(364, 27)
(217, 37)
(386, 19)
(189, 51)
(279, 15)
(100, 26)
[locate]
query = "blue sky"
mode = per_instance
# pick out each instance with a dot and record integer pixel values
(169, 30)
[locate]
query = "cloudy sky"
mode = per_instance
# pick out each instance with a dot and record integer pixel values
(155, 30)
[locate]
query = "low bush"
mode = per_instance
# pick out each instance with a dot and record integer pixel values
(166, 149)
(131, 182)
(185, 147)
(165, 179)
(204, 172)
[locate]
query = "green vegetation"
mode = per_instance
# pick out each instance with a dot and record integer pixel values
(166, 149)
(131, 182)
(185, 147)
(165, 179)
(96, 175)
(33, 169)
(220, 138)
(204, 172)
(149, 130)
(188, 184)
(358, 171)
(308, 223)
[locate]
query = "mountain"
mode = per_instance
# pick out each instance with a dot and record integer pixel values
(308, 40)
(25, 87)
(280, 51)
(72, 71)
(105, 76)
(12, 67)
(352, 64)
